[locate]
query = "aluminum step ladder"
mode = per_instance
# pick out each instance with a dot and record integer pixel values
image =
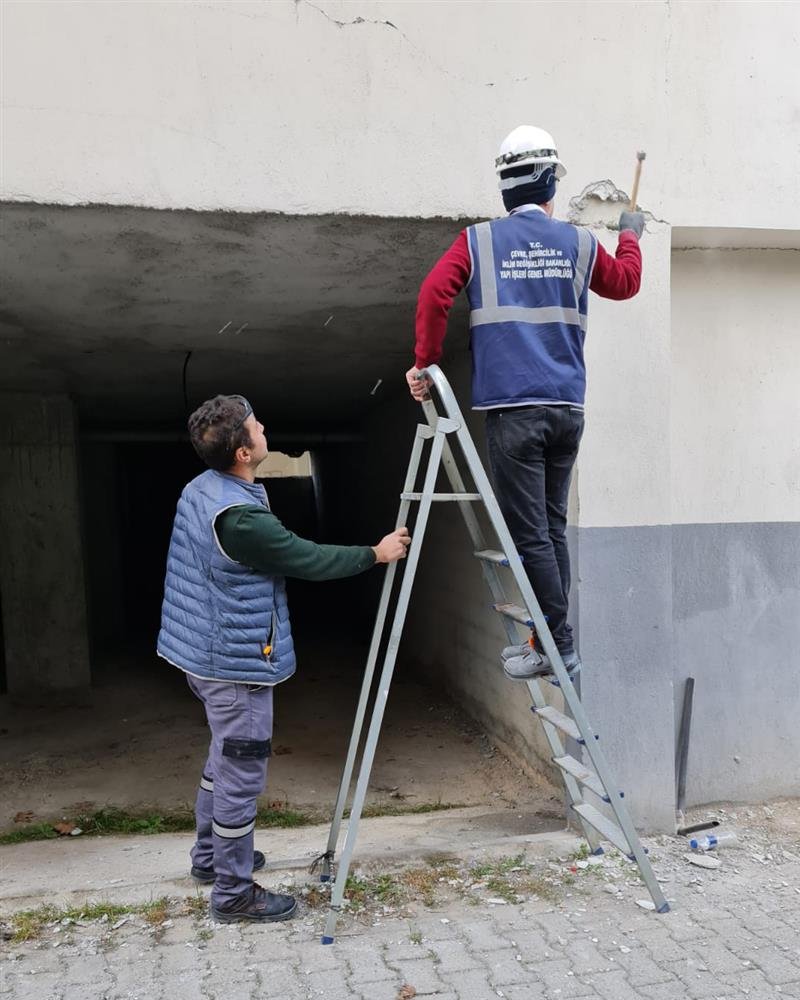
(578, 777)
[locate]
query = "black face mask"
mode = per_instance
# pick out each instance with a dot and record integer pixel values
(536, 193)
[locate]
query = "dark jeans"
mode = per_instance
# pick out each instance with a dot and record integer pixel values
(532, 451)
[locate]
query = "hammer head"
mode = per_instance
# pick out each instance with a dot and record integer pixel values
(641, 155)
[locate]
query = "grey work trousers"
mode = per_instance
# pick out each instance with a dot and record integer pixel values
(240, 719)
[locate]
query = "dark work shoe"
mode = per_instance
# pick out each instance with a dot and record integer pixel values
(256, 904)
(208, 874)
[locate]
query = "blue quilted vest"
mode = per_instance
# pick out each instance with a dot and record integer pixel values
(528, 296)
(221, 620)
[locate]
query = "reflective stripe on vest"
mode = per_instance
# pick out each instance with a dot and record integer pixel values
(491, 312)
(528, 295)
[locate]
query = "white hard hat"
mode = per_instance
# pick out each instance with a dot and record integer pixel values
(528, 144)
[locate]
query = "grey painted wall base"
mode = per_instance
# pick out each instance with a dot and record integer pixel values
(736, 607)
(625, 640)
(717, 602)
(650, 606)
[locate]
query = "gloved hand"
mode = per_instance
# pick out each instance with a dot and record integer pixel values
(633, 221)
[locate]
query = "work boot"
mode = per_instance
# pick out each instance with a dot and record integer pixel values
(256, 904)
(572, 663)
(208, 874)
(528, 665)
(533, 664)
(510, 652)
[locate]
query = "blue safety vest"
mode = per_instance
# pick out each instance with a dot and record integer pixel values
(221, 620)
(528, 295)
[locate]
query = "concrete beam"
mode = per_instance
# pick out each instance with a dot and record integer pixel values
(41, 558)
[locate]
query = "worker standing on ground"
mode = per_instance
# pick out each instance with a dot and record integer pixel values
(528, 278)
(225, 623)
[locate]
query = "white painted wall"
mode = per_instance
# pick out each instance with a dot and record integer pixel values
(396, 108)
(735, 408)
(623, 470)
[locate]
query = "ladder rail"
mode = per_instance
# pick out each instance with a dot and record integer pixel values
(593, 822)
(491, 575)
(490, 570)
(594, 751)
(368, 756)
(423, 433)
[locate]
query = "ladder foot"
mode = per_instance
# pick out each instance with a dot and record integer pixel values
(598, 851)
(324, 878)
(326, 939)
(664, 908)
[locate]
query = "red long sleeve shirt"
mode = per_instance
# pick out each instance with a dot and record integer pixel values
(615, 277)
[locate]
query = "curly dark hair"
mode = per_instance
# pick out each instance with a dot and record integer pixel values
(216, 430)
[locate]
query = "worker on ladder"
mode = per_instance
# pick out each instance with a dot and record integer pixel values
(527, 278)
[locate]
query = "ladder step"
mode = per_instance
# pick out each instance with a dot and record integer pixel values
(494, 557)
(582, 774)
(514, 611)
(607, 829)
(560, 721)
(443, 497)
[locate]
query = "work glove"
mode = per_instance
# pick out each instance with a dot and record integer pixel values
(633, 221)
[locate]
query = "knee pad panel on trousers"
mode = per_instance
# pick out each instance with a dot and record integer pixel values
(246, 749)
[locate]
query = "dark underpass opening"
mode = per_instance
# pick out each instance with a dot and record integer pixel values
(120, 320)
(130, 490)
(138, 743)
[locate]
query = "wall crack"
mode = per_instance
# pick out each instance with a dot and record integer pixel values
(355, 20)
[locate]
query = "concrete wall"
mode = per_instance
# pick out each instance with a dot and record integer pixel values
(735, 454)
(685, 534)
(684, 521)
(41, 556)
(396, 108)
(620, 539)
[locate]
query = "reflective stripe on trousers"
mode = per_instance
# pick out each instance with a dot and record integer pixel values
(235, 773)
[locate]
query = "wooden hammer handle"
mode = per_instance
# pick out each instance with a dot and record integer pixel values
(637, 175)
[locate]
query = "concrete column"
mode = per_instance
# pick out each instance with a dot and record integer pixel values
(41, 557)
(622, 569)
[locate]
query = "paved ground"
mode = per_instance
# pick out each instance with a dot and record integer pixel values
(576, 931)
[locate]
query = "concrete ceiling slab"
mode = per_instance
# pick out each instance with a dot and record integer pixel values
(304, 314)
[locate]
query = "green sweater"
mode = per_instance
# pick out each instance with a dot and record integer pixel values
(255, 537)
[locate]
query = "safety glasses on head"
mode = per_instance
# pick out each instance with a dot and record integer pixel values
(247, 409)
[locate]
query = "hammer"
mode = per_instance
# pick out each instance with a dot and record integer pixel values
(634, 194)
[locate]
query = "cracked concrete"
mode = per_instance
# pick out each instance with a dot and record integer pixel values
(600, 203)
(355, 20)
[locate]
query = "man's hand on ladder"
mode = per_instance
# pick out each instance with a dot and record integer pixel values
(418, 384)
(392, 547)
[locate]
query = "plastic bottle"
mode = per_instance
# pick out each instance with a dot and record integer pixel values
(711, 841)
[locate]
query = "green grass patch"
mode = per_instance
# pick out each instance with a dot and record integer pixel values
(511, 878)
(502, 866)
(283, 818)
(382, 888)
(373, 811)
(105, 822)
(33, 831)
(29, 924)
